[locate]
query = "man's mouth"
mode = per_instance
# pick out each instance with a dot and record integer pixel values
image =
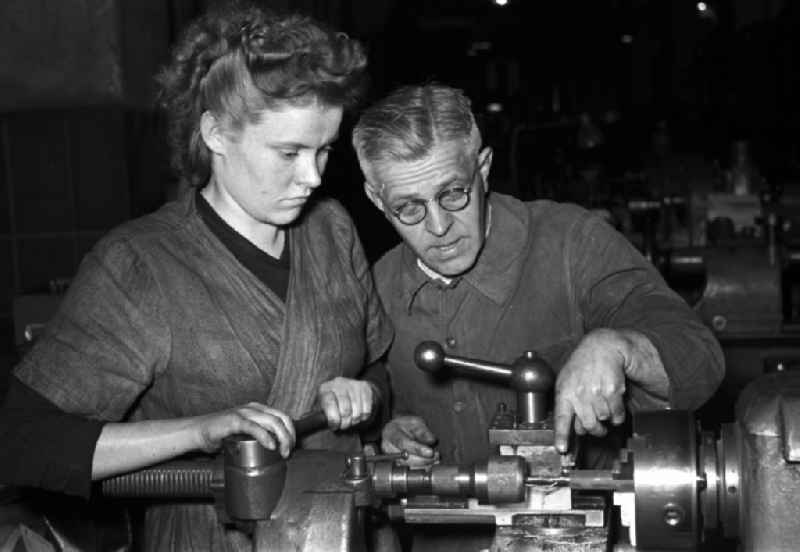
(447, 248)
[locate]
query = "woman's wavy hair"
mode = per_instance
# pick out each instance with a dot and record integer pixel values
(238, 60)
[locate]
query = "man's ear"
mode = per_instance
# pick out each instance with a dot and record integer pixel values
(485, 166)
(212, 132)
(373, 196)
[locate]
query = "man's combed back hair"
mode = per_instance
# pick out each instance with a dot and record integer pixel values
(409, 122)
(237, 61)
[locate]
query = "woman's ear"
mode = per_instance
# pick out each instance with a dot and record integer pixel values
(212, 132)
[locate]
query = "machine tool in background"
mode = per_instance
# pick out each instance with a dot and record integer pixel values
(723, 234)
(744, 283)
(674, 487)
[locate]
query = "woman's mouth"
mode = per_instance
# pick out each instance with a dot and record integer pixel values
(296, 201)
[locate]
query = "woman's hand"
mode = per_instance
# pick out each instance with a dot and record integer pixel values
(346, 402)
(269, 426)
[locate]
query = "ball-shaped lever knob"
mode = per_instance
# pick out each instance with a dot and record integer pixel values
(429, 356)
(532, 373)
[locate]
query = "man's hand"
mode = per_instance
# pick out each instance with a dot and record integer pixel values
(590, 387)
(346, 402)
(409, 434)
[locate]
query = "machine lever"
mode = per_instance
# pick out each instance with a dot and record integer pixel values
(529, 375)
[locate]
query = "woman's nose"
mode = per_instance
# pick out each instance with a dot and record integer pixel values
(309, 174)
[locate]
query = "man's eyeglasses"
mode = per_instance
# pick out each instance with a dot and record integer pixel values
(451, 199)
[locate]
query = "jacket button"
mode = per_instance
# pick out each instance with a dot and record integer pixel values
(458, 406)
(450, 342)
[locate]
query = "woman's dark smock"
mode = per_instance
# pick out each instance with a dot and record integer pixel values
(162, 321)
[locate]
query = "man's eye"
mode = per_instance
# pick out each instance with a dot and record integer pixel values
(409, 209)
(453, 195)
(288, 154)
(453, 192)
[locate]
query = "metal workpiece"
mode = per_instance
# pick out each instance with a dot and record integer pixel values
(530, 376)
(501, 479)
(598, 480)
(665, 477)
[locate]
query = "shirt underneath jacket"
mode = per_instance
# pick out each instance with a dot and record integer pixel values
(548, 274)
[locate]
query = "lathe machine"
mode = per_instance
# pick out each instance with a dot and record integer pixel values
(674, 486)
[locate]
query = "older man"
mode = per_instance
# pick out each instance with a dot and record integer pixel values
(490, 277)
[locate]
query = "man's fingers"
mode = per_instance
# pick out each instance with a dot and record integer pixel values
(617, 407)
(562, 417)
(414, 461)
(585, 414)
(421, 433)
(408, 434)
(601, 409)
(416, 448)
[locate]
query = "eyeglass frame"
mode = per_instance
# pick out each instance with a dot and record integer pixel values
(424, 202)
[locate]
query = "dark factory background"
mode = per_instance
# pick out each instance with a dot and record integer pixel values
(675, 119)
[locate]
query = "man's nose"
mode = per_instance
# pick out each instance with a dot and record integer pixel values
(438, 221)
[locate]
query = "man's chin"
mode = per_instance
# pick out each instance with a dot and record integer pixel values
(451, 268)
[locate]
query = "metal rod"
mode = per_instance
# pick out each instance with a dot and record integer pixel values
(585, 480)
(479, 368)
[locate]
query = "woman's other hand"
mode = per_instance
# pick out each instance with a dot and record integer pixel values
(346, 402)
(269, 426)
